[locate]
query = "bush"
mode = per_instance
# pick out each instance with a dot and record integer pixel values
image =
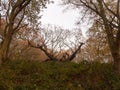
(34, 75)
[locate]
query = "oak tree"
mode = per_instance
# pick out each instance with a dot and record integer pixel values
(17, 14)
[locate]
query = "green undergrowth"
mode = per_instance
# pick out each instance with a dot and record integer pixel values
(34, 75)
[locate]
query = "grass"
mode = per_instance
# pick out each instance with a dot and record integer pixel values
(33, 75)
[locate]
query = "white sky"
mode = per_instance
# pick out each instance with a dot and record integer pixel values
(55, 15)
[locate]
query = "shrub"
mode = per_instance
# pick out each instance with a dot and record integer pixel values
(34, 75)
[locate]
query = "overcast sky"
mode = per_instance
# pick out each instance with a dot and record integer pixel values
(55, 15)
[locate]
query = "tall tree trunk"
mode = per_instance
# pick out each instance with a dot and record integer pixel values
(116, 58)
(4, 49)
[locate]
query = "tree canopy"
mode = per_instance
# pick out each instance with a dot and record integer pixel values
(107, 14)
(17, 14)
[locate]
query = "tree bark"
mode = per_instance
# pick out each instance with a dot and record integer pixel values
(4, 48)
(5, 44)
(116, 58)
